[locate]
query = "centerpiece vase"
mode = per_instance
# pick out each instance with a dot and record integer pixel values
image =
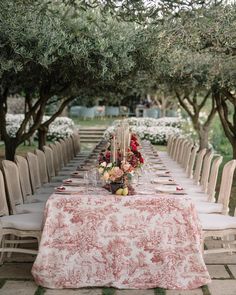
(115, 185)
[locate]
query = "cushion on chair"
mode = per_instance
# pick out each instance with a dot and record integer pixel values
(30, 208)
(207, 207)
(23, 221)
(217, 221)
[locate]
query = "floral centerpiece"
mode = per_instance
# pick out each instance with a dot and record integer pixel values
(117, 165)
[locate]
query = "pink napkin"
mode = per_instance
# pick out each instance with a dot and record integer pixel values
(179, 188)
(60, 188)
(67, 181)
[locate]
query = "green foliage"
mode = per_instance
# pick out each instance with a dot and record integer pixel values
(219, 140)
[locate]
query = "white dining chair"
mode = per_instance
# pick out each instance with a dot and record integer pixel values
(13, 187)
(197, 193)
(27, 180)
(18, 226)
(219, 226)
(224, 194)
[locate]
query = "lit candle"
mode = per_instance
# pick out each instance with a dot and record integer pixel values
(114, 149)
(124, 138)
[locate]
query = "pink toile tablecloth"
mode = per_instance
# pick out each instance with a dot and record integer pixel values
(135, 242)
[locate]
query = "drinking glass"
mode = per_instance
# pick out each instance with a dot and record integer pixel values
(86, 181)
(94, 177)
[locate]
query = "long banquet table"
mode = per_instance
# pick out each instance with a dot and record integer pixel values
(136, 242)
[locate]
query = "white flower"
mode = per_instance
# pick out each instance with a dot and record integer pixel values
(61, 127)
(103, 164)
(100, 170)
(109, 165)
(155, 130)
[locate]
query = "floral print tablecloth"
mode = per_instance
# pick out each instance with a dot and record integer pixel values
(135, 242)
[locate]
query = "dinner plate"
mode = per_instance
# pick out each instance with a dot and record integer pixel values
(74, 182)
(169, 189)
(163, 174)
(65, 190)
(77, 174)
(164, 181)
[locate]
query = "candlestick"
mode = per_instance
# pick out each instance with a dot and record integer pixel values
(114, 149)
(124, 142)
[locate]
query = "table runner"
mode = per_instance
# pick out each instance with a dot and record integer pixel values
(135, 242)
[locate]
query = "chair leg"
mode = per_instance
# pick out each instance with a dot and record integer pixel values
(11, 237)
(2, 245)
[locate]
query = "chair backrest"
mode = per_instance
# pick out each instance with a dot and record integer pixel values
(76, 142)
(186, 155)
(177, 146)
(68, 148)
(169, 141)
(191, 162)
(43, 173)
(198, 167)
(34, 171)
(59, 154)
(173, 146)
(182, 150)
(55, 157)
(213, 178)
(49, 161)
(64, 151)
(206, 170)
(12, 181)
(226, 184)
(24, 175)
(71, 147)
(3, 198)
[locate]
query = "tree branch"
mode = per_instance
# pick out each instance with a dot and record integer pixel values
(211, 115)
(183, 104)
(204, 100)
(222, 117)
(57, 113)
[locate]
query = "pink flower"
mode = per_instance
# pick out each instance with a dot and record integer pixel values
(105, 176)
(115, 173)
(126, 167)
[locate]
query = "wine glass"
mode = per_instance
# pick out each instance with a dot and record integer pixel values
(86, 181)
(94, 177)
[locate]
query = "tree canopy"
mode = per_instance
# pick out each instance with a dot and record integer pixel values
(73, 48)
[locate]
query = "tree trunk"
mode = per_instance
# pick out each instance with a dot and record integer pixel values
(234, 149)
(10, 149)
(42, 137)
(203, 138)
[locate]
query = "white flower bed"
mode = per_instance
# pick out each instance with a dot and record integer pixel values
(155, 130)
(13, 123)
(156, 134)
(150, 122)
(61, 127)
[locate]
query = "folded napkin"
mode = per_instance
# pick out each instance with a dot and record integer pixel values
(163, 173)
(169, 181)
(67, 181)
(74, 182)
(76, 174)
(60, 189)
(170, 189)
